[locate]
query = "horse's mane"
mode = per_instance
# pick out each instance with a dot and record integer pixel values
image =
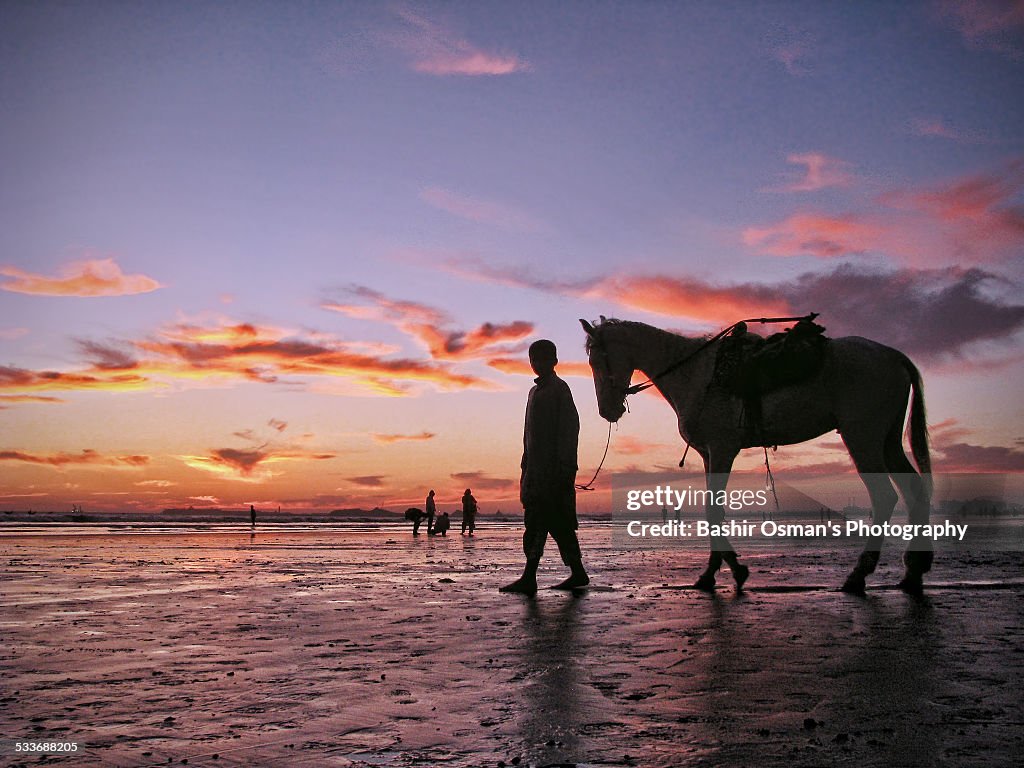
(616, 322)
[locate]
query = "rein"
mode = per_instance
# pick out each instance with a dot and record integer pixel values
(590, 486)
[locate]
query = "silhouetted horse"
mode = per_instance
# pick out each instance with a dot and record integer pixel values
(861, 390)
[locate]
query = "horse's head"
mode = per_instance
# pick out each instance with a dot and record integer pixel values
(612, 366)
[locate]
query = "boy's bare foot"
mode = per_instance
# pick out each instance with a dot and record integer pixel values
(575, 581)
(521, 586)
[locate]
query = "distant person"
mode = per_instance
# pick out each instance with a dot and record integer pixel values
(431, 511)
(664, 514)
(441, 525)
(468, 512)
(416, 516)
(547, 484)
(252, 515)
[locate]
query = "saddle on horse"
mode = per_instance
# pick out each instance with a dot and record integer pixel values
(748, 365)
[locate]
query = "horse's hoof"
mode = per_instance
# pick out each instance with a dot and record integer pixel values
(740, 573)
(705, 584)
(918, 561)
(854, 585)
(912, 584)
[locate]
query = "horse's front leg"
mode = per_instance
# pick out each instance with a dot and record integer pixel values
(721, 550)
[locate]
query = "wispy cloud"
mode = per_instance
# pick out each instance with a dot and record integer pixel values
(794, 49)
(478, 210)
(429, 326)
(14, 399)
(226, 351)
(95, 277)
(390, 438)
(815, 234)
(971, 219)
(62, 459)
(520, 366)
(482, 480)
(436, 50)
(937, 314)
(938, 128)
(995, 25)
(368, 481)
(980, 213)
(820, 172)
(9, 334)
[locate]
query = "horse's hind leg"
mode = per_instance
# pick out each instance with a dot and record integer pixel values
(919, 553)
(868, 457)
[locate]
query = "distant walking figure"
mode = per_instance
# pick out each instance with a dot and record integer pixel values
(431, 511)
(468, 512)
(252, 515)
(546, 486)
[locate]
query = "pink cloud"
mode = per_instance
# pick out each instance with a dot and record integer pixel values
(95, 277)
(972, 219)
(820, 172)
(389, 438)
(429, 326)
(435, 50)
(936, 127)
(815, 234)
(474, 209)
(995, 25)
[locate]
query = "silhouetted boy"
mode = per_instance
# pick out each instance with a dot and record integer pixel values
(547, 484)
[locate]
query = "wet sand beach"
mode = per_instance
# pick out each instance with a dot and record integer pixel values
(374, 648)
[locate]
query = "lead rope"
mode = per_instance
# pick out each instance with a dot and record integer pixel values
(769, 478)
(590, 486)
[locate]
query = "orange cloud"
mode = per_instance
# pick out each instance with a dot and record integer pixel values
(690, 298)
(240, 351)
(629, 445)
(21, 380)
(521, 367)
(62, 459)
(95, 277)
(427, 325)
(815, 234)
(243, 464)
(388, 439)
(265, 354)
(27, 399)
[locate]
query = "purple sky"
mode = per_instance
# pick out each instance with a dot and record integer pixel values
(284, 252)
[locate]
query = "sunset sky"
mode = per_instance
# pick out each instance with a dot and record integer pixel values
(293, 253)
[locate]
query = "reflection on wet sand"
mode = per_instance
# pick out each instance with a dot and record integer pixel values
(372, 648)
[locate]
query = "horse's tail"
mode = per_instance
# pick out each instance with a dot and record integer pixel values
(917, 428)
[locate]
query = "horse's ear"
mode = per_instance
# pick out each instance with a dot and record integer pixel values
(587, 327)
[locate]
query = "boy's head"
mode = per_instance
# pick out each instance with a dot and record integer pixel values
(543, 356)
